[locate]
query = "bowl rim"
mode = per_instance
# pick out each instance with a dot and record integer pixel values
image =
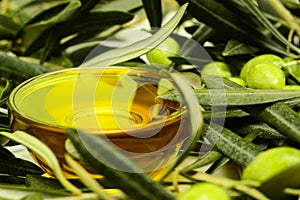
(16, 112)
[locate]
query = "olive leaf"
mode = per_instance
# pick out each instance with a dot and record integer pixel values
(237, 97)
(294, 71)
(252, 7)
(34, 196)
(17, 166)
(279, 116)
(102, 161)
(50, 9)
(64, 15)
(18, 70)
(40, 183)
(138, 48)
(233, 18)
(84, 176)
(8, 28)
(45, 152)
(50, 26)
(234, 47)
(94, 23)
(14, 180)
(230, 144)
(5, 89)
(195, 116)
(153, 11)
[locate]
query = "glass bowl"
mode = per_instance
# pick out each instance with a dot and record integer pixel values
(116, 103)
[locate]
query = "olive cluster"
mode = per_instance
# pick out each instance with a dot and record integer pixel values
(261, 72)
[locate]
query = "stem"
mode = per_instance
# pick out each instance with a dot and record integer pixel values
(290, 38)
(292, 191)
(175, 179)
(285, 14)
(295, 62)
(3, 111)
(86, 179)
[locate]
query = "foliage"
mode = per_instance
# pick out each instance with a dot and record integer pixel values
(38, 36)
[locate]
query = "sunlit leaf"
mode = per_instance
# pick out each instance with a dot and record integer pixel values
(138, 48)
(65, 14)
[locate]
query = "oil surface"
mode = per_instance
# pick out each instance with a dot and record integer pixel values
(104, 102)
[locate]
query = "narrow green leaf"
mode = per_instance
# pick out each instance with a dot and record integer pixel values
(45, 152)
(294, 71)
(138, 48)
(234, 47)
(237, 97)
(285, 14)
(216, 82)
(279, 116)
(214, 14)
(131, 179)
(231, 145)
(14, 180)
(204, 160)
(247, 125)
(40, 183)
(81, 29)
(34, 196)
(220, 16)
(224, 160)
(17, 166)
(153, 11)
(84, 176)
(64, 15)
(120, 6)
(252, 7)
(93, 23)
(18, 70)
(86, 7)
(8, 28)
(5, 89)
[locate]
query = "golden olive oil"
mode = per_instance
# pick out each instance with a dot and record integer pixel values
(118, 104)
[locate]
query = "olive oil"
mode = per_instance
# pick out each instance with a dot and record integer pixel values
(118, 104)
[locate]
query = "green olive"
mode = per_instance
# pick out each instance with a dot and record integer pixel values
(265, 76)
(238, 80)
(265, 58)
(160, 54)
(216, 68)
(270, 163)
(204, 191)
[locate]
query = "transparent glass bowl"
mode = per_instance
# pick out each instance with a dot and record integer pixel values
(116, 103)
